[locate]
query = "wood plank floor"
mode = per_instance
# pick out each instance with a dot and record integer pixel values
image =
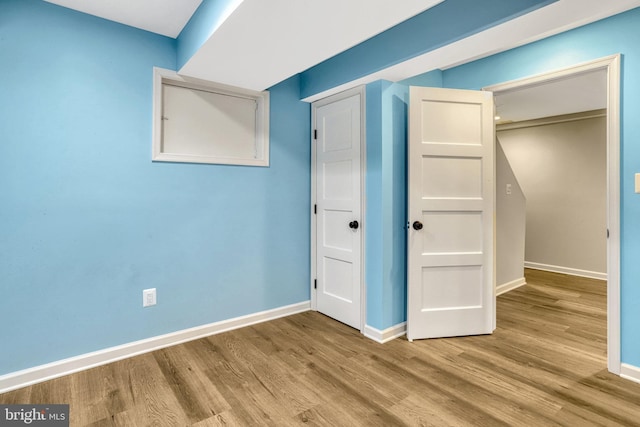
(545, 365)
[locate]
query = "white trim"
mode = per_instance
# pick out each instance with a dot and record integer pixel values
(313, 208)
(387, 335)
(630, 372)
(612, 65)
(584, 67)
(361, 90)
(63, 367)
(613, 214)
(566, 270)
(363, 206)
(509, 286)
(163, 76)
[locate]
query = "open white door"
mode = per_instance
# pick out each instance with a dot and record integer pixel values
(451, 288)
(338, 222)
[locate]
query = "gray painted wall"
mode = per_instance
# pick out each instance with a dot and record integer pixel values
(561, 168)
(510, 223)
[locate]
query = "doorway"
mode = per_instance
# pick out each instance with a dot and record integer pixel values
(610, 65)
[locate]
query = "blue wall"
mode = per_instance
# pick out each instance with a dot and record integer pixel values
(430, 79)
(618, 34)
(385, 251)
(87, 221)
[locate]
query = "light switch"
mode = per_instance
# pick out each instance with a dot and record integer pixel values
(638, 183)
(509, 187)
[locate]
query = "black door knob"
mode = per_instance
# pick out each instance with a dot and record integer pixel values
(417, 225)
(354, 225)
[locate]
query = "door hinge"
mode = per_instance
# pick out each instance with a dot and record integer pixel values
(607, 233)
(315, 134)
(315, 209)
(315, 283)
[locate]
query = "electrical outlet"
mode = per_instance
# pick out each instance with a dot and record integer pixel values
(149, 297)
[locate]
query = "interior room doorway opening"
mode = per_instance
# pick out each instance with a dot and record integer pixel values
(611, 65)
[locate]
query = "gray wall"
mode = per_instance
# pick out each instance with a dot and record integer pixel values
(510, 223)
(561, 168)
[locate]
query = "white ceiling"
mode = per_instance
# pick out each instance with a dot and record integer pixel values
(166, 17)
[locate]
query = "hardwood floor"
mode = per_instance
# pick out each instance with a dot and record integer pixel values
(545, 365)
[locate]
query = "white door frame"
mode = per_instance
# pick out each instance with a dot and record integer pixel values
(359, 90)
(612, 65)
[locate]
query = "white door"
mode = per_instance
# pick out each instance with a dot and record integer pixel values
(451, 213)
(338, 219)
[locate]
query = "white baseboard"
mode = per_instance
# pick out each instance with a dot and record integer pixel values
(566, 270)
(630, 372)
(509, 286)
(63, 367)
(387, 335)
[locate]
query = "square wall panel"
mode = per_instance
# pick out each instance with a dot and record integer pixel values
(451, 123)
(452, 232)
(451, 177)
(451, 287)
(338, 278)
(337, 233)
(337, 180)
(337, 131)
